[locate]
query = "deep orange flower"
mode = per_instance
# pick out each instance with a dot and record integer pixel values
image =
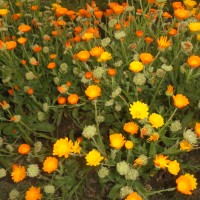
(83, 56)
(117, 9)
(131, 128)
(33, 193)
(72, 99)
(51, 65)
(36, 48)
(173, 32)
(24, 149)
(177, 5)
(50, 164)
(93, 91)
(111, 72)
(133, 196)
(146, 58)
(10, 45)
(166, 15)
(193, 61)
(151, 1)
(34, 7)
(139, 33)
(180, 101)
(60, 11)
(18, 173)
(24, 28)
(98, 14)
(148, 40)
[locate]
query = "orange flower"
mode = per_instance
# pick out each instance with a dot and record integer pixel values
(96, 51)
(34, 7)
(151, 1)
(60, 11)
(146, 58)
(154, 137)
(4, 105)
(88, 75)
(173, 32)
(18, 173)
(24, 149)
(36, 48)
(131, 128)
(163, 43)
(87, 36)
(83, 56)
(177, 5)
(133, 196)
(180, 101)
(186, 183)
(185, 145)
(166, 15)
(98, 14)
(139, 33)
(117, 9)
(193, 61)
(73, 99)
(197, 129)
(111, 72)
(93, 91)
(22, 40)
(50, 164)
(51, 65)
(24, 28)
(161, 161)
(61, 100)
(170, 90)
(33, 194)
(182, 14)
(10, 45)
(148, 40)
(117, 140)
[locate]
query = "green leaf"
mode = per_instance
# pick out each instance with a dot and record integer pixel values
(114, 192)
(152, 149)
(187, 119)
(43, 127)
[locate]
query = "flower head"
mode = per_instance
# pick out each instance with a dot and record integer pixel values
(180, 100)
(18, 173)
(104, 57)
(129, 144)
(33, 193)
(194, 61)
(62, 147)
(117, 140)
(139, 110)
(93, 91)
(156, 120)
(173, 167)
(96, 51)
(189, 4)
(133, 196)
(136, 66)
(24, 28)
(50, 164)
(170, 90)
(161, 161)
(185, 145)
(24, 149)
(186, 183)
(154, 137)
(181, 13)
(163, 43)
(83, 56)
(197, 129)
(131, 128)
(194, 27)
(94, 158)
(140, 161)
(146, 58)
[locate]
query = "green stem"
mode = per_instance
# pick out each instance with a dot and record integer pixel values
(160, 191)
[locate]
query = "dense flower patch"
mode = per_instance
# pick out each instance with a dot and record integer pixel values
(112, 91)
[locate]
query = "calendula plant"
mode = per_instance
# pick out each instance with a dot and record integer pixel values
(106, 97)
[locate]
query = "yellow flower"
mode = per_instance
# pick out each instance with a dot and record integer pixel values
(139, 110)
(4, 12)
(93, 91)
(197, 129)
(186, 183)
(163, 43)
(18, 173)
(104, 57)
(173, 167)
(33, 193)
(129, 144)
(62, 147)
(185, 145)
(193, 61)
(94, 158)
(131, 128)
(136, 66)
(50, 164)
(133, 196)
(161, 161)
(117, 140)
(170, 90)
(76, 147)
(180, 101)
(194, 27)
(189, 4)
(156, 120)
